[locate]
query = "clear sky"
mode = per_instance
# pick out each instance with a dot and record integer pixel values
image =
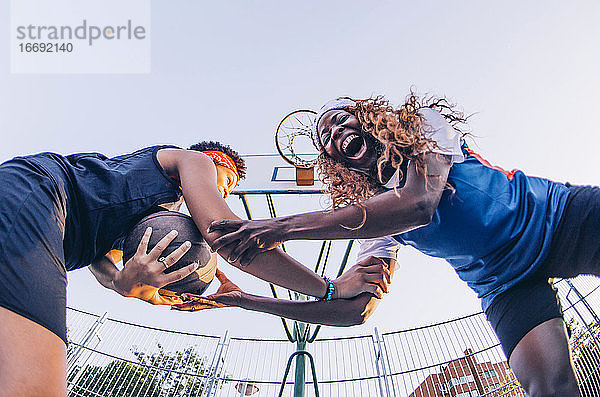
(230, 70)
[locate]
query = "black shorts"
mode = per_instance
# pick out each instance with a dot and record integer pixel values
(575, 250)
(32, 271)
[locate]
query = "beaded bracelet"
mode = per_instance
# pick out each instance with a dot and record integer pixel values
(330, 289)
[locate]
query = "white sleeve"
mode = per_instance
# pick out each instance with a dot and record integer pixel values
(447, 138)
(380, 247)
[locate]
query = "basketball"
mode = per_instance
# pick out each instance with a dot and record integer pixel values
(162, 223)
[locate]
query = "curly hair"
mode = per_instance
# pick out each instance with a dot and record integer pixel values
(400, 137)
(240, 164)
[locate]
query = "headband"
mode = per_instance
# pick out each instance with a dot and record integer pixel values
(334, 104)
(222, 159)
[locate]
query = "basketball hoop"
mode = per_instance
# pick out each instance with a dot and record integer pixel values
(293, 140)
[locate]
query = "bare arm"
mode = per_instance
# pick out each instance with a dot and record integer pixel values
(388, 213)
(104, 269)
(197, 176)
(338, 312)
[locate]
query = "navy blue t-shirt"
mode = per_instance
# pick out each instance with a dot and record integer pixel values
(104, 196)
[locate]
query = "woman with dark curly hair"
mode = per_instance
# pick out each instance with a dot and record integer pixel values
(408, 173)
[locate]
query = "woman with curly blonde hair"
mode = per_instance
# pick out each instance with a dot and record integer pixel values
(408, 173)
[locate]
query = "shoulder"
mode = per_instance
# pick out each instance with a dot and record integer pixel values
(180, 156)
(174, 160)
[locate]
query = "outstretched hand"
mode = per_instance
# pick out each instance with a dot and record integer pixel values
(228, 294)
(143, 275)
(371, 275)
(246, 239)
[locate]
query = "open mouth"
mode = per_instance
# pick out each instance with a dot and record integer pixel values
(353, 145)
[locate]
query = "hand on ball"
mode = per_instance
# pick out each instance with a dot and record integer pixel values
(143, 275)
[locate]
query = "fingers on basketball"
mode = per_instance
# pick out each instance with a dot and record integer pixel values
(221, 276)
(164, 242)
(179, 252)
(143, 245)
(179, 274)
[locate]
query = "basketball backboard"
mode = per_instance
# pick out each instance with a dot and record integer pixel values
(269, 173)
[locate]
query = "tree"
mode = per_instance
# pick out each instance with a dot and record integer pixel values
(508, 387)
(159, 374)
(585, 345)
(118, 378)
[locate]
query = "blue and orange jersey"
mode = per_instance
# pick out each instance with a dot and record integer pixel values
(495, 227)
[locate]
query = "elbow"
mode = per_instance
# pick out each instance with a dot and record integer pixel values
(350, 319)
(359, 311)
(359, 317)
(424, 211)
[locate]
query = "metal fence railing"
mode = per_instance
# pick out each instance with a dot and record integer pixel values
(108, 357)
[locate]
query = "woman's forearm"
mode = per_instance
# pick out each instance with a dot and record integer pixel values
(278, 268)
(345, 223)
(338, 312)
(197, 176)
(104, 270)
(385, 214)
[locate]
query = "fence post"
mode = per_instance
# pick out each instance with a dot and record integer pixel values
(210, 387)
(583, 300)
(72, 361)
(380, 365)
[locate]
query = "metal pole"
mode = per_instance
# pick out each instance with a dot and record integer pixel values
(384, 388)
(86, 340)
(312, 367)
(243, 387)
(583, 301)
(301, 331)
(214, 367)
(299, 378)
(91, 332)
(345, 258)
(246, 206)
(386, 365)
(299, 328)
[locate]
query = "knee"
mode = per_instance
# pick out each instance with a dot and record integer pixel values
(546, 386)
